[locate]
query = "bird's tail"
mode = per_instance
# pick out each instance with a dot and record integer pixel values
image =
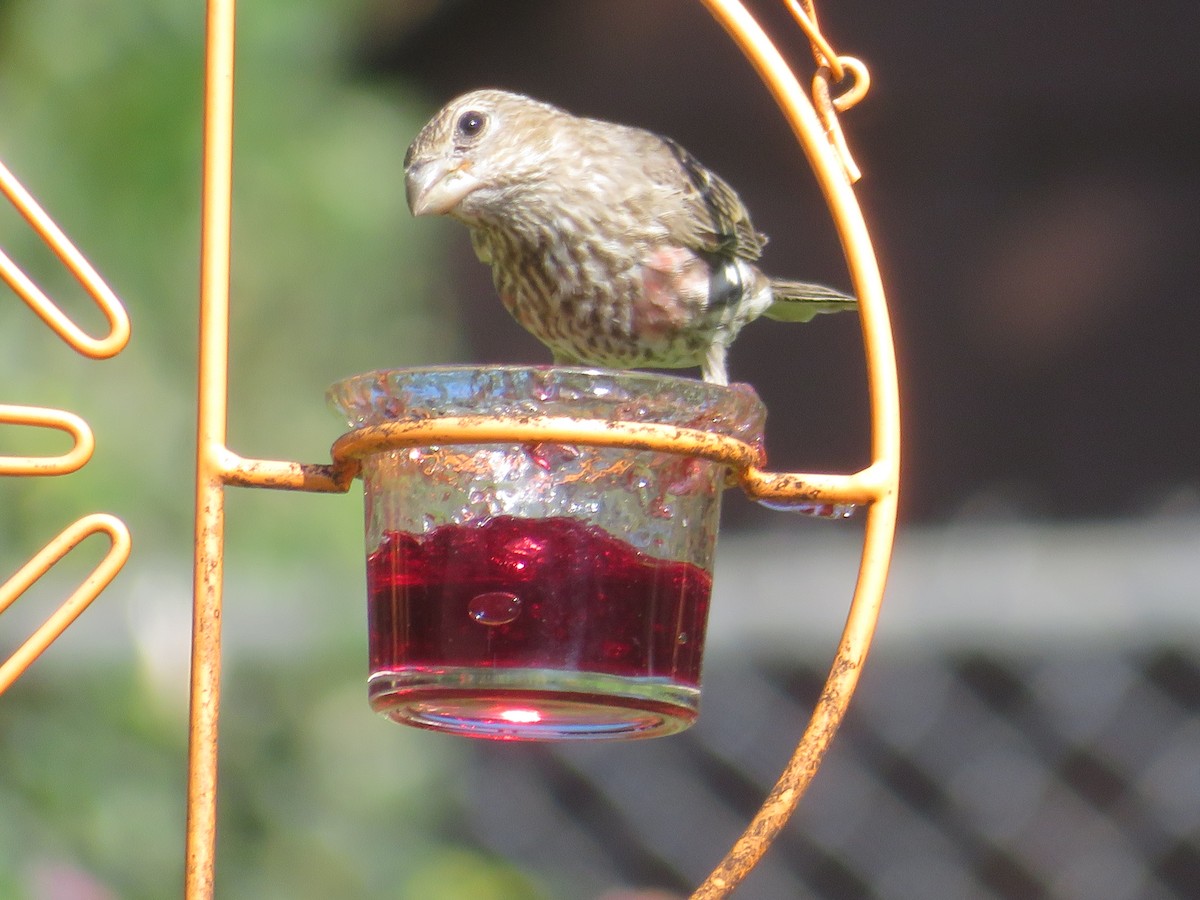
(799, 301)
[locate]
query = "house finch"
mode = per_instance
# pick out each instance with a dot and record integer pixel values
(613, 245)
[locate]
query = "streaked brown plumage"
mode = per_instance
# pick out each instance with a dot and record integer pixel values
(614, 246)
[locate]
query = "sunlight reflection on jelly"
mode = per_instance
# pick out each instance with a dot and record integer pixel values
(521, 716)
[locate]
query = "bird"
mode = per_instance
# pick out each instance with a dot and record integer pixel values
(613, 245)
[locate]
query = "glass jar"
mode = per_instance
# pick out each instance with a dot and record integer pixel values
(540, 591)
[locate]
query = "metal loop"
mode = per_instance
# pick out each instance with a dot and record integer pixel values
(45, 308)
(595, 432)
(744, 460)
(826, 108)
(69, 611)
(861, 83)
(38, 417)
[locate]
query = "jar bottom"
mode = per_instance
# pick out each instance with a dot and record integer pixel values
(511, 704)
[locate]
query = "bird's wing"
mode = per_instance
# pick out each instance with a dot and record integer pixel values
(713, 218)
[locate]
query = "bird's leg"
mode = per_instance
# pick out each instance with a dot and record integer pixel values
(712, 369)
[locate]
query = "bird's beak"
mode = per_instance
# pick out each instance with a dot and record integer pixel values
(435, 186)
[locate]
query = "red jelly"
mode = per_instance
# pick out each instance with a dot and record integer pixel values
(458, 617)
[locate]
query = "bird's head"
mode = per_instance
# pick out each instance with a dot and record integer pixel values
(476, 150)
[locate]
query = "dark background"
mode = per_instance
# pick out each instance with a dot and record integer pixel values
(1031, 181)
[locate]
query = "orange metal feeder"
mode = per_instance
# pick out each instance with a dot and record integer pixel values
(814, 122)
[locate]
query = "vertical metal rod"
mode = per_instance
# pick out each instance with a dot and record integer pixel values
(213, 375)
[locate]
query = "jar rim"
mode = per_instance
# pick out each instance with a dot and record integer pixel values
(424, 392)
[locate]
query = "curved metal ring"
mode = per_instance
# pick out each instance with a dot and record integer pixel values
(500, 430)
(834, 177)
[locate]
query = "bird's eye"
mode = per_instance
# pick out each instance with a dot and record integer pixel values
(471, 124)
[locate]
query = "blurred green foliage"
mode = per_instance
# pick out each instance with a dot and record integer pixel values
(100, 118)
(319, 798)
